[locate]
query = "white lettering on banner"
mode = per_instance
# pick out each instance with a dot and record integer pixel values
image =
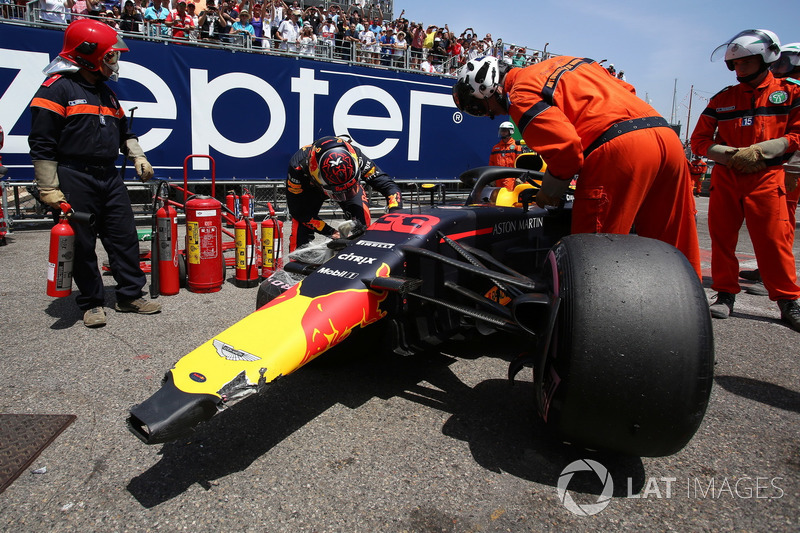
(343, 120)
(307, 87)
(419, 99)
(205, 134)
(19, 94)
(204, 93)
(163, 108)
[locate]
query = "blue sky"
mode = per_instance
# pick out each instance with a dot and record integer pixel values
(654, 41)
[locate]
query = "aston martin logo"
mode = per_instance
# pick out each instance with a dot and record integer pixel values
(232, 354)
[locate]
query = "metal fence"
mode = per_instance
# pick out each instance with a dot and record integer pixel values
(21, 209)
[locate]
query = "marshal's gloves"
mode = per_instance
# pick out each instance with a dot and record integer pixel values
(719, 153)
(552, 190)
(143, 168)
(751, 159)
(46, 176)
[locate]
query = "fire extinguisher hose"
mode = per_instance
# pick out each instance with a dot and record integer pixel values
(154, 281)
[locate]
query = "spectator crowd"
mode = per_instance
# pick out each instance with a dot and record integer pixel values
(354, 31)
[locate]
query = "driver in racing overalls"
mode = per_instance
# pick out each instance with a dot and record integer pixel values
(331, 167)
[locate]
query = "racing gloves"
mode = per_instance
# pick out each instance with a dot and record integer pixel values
(751, 159)
(394, 202)
(46, 176)
(140, 163)
(552, 190)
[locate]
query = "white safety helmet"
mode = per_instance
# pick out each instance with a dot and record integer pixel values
(507, 125)
(477, 81)
(788, 62)
(747, 43)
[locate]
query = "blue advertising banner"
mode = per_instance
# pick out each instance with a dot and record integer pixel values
(251, 111)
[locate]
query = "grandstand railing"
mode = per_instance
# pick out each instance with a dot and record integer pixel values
(21, 207)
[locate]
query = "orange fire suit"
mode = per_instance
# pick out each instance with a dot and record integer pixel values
(698, 168)
(742, 116)
(632, 167)
(504, 154)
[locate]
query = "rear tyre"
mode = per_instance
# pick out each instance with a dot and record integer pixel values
(632, 367)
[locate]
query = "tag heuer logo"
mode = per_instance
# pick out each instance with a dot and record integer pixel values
(778, 97)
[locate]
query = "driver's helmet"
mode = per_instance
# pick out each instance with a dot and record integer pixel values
(746, 43)
(788, 62)
(333, 163)
(507, 125)
(477, 81)
(91, 44)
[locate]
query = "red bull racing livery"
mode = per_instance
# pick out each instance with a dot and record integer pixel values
(610, 370)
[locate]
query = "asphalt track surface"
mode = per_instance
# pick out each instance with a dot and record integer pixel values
(361, 441)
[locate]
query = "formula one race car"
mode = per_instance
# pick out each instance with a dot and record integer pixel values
(617, 326)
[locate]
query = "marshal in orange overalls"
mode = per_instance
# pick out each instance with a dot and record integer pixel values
(632, 166)
(742, 116)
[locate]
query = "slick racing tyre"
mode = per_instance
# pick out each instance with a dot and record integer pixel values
(631, 367)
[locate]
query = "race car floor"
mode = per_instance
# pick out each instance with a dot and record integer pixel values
(364, 441)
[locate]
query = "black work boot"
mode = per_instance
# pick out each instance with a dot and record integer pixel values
(750, 275)
(722, 307)
(790, 313)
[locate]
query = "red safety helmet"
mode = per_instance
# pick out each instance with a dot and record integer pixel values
(333, 163)
(91, 44)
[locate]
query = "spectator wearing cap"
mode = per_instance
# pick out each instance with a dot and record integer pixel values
(400, 50)
(259, 23)
(241, 28)
(289, 31)
(191, 8)
(388, 41)
(307, 41)
(180, 21)
(108, 18)
(130, 20)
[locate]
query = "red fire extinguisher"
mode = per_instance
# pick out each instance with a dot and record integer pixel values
(62, 255)
(247, 204)
(167, 243)
(232, 203)
(246, 252)
(205, 263)
(271, 244)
